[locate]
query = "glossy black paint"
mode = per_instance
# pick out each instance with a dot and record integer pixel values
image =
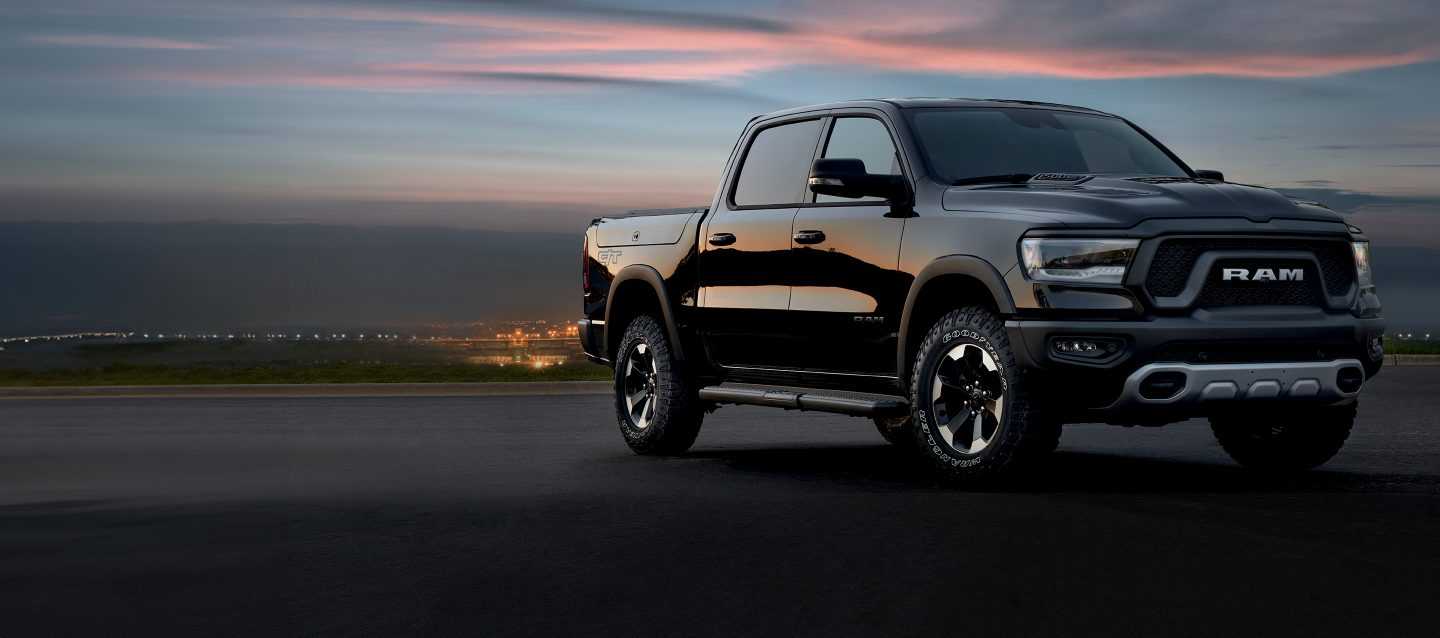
(838, 294)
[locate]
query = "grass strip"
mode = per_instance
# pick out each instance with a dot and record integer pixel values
(131, 374)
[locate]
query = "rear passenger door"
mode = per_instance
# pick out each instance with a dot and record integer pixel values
(846, 287)
(745, 256)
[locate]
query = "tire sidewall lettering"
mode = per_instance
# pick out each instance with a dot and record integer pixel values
(931, 439)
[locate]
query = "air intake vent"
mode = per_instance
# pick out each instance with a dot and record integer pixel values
(1058, 177)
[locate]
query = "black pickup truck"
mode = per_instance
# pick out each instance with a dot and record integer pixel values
(973, 274)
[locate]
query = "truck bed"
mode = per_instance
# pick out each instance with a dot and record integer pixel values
(646, 227)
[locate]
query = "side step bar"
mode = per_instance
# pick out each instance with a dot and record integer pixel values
(790, 398)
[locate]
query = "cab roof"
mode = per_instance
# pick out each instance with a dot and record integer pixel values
(933, 102)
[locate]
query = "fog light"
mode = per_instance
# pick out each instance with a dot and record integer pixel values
(1097, 349)
(1377, 346)
(1075, 347)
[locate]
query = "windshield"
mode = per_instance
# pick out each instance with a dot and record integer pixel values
(1008, 143)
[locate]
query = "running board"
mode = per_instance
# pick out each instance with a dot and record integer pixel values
(790, 398)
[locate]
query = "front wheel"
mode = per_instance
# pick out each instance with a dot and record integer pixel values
(656, 404)
(974, 412)
(1281, 440)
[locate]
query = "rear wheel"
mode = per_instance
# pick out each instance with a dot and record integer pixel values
(1288, 439)
(656, 404)
(974, 410)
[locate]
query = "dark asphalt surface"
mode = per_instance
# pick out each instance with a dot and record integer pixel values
(527, 515)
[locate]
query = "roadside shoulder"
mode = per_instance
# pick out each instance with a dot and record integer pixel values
(497, 388)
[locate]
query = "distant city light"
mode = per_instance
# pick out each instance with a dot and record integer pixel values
(536, 344)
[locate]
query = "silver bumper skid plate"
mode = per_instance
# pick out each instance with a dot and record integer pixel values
(1209, 384)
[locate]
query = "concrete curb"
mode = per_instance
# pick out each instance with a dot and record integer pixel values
(319, 390)
(1412, 359)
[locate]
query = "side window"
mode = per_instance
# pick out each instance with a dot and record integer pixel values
(865, 139)
(775, 169)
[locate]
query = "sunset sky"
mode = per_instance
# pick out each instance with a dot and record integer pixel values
(535, 116)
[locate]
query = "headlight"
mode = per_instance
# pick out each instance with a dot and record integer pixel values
(1362, 263)
(1090, 261)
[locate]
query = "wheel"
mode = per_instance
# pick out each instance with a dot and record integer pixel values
(657, 406)
(897, 430)
(974, 411)
(1289, 439)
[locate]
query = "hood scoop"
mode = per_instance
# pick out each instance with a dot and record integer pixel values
(1059, 178)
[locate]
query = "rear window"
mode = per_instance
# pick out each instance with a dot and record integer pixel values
(775, 168)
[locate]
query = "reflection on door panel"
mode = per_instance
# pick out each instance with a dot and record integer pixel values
(745, 256)
(830, 299)
(848, 289)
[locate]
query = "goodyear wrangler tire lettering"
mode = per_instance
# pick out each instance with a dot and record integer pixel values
(972, 411)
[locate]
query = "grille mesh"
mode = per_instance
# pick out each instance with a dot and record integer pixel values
(1173, 260)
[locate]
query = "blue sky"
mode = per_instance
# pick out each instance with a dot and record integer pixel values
(536, 115)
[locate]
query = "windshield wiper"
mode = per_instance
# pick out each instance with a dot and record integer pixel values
(1010, 178)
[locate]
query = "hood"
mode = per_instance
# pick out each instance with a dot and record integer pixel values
(1123, 202)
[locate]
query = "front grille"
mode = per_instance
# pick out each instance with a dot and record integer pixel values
(1254, 351)
(1170, 268)
(1218, 292)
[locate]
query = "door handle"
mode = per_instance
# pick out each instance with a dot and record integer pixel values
(721, 239)
(809, 237)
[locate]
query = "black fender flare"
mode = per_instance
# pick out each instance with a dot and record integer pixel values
(657, 283)
(968, 265)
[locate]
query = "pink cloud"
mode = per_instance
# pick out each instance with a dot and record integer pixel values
(118, 42)
(469, 50)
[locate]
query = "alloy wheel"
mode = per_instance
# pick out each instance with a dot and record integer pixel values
(968, 398)
(641, 378)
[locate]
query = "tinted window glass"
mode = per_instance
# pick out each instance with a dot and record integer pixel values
(867, 140)
(775, 169)
(964, 143)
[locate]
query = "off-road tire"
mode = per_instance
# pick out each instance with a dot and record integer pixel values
(899, 431)
(1285, 439)
(1021, 435)
(674, 418)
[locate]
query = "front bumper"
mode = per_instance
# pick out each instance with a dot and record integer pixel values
(1239, 338)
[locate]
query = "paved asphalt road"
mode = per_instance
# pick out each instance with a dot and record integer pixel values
(527, 515)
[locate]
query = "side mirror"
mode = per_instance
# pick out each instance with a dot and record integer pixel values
(1215, 175)
(846, 177)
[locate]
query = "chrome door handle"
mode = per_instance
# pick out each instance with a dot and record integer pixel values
(721, 239)
(809, 237)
